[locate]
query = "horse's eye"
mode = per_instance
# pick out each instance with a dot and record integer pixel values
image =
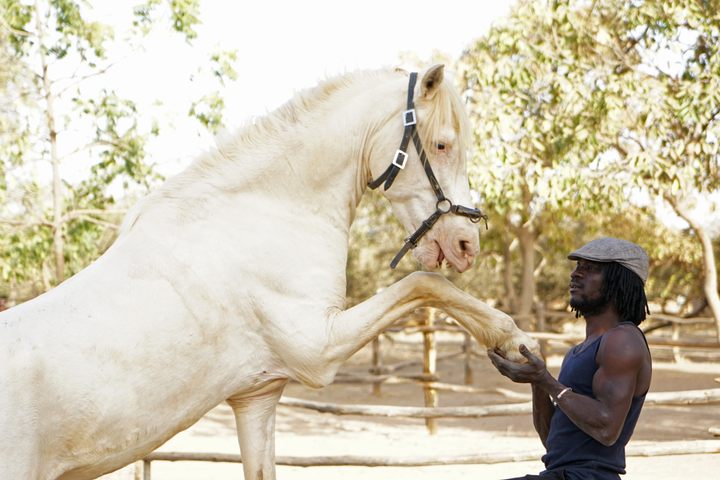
(440, 147)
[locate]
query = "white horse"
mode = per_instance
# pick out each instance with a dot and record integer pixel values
(230, 279)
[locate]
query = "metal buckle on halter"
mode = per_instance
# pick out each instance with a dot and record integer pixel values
(409, 117)
(400, 159)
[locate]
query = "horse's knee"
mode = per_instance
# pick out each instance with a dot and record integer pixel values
(425, 284)
(421, 277)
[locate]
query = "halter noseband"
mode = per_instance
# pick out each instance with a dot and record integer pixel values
(443, 205)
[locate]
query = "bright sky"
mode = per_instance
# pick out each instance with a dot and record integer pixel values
(287, 45)
(283, 46)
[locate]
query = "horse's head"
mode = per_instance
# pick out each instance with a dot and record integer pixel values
(429, 192)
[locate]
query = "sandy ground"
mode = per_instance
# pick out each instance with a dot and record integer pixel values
(301, 432)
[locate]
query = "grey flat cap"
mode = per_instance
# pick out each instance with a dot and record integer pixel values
(608, 249)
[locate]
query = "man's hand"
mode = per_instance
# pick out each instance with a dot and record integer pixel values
(534, 371)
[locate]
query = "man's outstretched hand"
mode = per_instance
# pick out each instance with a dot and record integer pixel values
(534, 371)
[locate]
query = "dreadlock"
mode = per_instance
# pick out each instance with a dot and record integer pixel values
(625, 289)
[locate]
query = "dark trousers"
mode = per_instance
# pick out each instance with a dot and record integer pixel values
(556, 475)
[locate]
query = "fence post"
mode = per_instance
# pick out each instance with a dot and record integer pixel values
(467, 350)
(540, 313)
(677, 356)
(376, 365)
(430, 366)
(147, 474)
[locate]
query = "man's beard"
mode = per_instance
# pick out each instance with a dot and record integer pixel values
(588, 308)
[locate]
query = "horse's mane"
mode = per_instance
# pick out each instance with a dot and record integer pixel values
(445, 107)
(287, 115)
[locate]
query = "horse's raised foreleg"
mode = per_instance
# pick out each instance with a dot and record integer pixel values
(20, 444)
(18, 461)
(353, 328)
(10, 467)
(255, 421)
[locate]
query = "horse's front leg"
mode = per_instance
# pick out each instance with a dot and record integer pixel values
(255, 421)
(355, 327)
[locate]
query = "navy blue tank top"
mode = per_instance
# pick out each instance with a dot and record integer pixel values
(569, 448)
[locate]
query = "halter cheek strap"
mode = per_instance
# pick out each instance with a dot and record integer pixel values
(400, 159)
(443, 205)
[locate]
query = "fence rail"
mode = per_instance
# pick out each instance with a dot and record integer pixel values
(632, 450)
(430, 382)
(687, 397)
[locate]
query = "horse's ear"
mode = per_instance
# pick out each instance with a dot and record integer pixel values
(431, 81)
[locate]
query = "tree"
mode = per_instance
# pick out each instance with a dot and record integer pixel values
(538, 133)
(669, 141)
(68, 120)
(576, 114)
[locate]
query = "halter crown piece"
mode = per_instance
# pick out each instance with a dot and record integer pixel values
(443, 205)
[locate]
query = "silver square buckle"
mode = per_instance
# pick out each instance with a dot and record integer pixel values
(409, 117)
(400, 159)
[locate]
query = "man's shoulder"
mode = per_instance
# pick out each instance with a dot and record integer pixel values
(624, 343)
(625, 331)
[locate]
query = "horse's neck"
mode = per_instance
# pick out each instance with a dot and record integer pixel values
(314, 164)
(272, 199)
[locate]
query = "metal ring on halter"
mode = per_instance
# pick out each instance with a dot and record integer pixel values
(449, 205)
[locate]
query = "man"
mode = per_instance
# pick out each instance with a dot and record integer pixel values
(586, 416)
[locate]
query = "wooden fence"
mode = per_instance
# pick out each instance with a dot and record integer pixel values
(381, 373)
(632, 450)
(427, 325)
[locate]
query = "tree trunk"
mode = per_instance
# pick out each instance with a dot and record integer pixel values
(510, 294)
(57, 196)
(526, 238)
(710, 283)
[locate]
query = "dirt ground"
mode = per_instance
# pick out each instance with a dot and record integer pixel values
(301, 432)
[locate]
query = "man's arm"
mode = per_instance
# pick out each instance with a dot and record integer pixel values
(543, 385)
(543, 410)
(620, 359)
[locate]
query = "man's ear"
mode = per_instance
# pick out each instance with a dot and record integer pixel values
(431, 81)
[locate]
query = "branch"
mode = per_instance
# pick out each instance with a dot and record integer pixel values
(623, 152)
(635, 41)
(83, 78)
(96, 221)
(707, 124)
(90, 211)
(523, 153)
(681, 211)
(634, 140)
(85, 214)
(99, 143)
(24, 224)
(12, 30)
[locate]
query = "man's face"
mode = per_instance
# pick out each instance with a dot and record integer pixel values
(586, 294)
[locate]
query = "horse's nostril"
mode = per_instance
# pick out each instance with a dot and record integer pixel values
(467, 248)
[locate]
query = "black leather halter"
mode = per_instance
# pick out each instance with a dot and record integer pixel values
(443, 205)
